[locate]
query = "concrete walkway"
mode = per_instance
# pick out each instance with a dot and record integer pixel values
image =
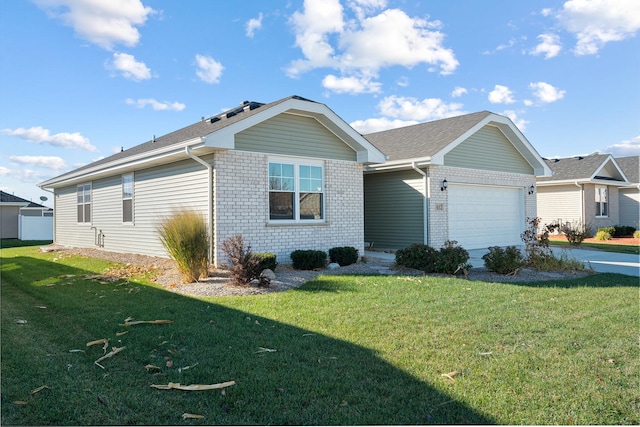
(600, 261)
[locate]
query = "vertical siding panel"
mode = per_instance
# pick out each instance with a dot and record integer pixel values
(393, 204)
(296, 136)
(488, 149)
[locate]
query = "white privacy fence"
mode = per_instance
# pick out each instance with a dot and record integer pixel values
(35, 227)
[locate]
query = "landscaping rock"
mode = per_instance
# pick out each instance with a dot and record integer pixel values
(333, 266)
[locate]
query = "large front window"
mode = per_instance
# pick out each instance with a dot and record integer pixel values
(296, 191)
(84, 203)
(602, 207)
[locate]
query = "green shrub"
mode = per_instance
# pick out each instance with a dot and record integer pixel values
(449, 260)
(452, 258)
(576, 232)
(546, 260)
(610, 230)
(266, 260)
(636, 234)
(418, 256)
(245, 265)
(308, 259)
(603, 234)
(184, 236)
(623, 231)
(503, 261)
(343, 255)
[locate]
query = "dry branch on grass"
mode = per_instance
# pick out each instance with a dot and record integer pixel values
(192, 387)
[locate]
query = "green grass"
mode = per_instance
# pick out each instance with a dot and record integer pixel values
(350, 350)
(623, 249)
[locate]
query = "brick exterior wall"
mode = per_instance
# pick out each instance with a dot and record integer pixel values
(241, 206)
(438, 204)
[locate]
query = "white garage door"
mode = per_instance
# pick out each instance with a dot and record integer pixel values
(483, 216)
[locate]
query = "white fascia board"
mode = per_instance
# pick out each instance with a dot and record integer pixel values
(615, 164)
(127, 163)
(512, 133)
(582, 181)
(399, 164)
(366, 152)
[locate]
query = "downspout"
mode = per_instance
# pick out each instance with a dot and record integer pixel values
(425, 201)
(209, 167)
(582, 207)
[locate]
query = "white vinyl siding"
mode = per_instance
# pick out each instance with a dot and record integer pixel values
(161, 190)
(288, 134)
(488, 149)
(559, 204)
(629, 202)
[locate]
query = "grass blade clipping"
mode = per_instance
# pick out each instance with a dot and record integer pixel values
(192, 387)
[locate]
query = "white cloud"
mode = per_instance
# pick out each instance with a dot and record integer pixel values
(361, 46)
(549, 46)
(105, 23)
(352, 85)
(519, 122)
(4, 171)
(407, 108)
(458, 92)
(253, 24)
(209, 70)
(380, 124)
(501, 95)
(544, 93)
(156, 105)
(598, 22)
(50, 162)
(38, 134)
(630, 147)
(129, 67)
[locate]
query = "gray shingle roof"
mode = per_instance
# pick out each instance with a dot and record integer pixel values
(196, 130)
(424, 139)
(10, 198)
(575, 168)
(631, 167)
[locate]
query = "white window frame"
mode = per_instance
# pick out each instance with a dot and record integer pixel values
(602, 205)
(297, 162)
(124, 198)
(86, 200)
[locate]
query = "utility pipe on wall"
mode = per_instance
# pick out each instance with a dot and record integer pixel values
(209, 200)
(425, 201)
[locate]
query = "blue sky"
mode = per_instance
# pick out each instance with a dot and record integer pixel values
(79, 79)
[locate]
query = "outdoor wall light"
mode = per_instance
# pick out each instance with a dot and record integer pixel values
(532, 189)
(445, 185)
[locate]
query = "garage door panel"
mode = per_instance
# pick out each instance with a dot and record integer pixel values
(483, 216)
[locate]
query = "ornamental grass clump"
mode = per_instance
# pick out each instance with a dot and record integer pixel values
(184, 236)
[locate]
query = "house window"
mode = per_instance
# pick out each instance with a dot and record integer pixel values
(296, 191)
(84, 203)
(127, 198)
(602, 207)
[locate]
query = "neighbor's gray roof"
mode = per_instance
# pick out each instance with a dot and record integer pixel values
(10, 198)
(196, 130)
(424, 139)
(572, 168)
(631, 167)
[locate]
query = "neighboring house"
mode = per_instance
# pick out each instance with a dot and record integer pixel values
(588, 190)
(629, 196)
(469, 178)
(286, 175)
(23, 219)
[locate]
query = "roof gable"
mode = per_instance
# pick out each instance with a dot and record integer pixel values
(592, 168)
(631, 168)
(430, 142)
(11, 200)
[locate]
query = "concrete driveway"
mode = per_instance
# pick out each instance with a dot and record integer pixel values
(600, 261)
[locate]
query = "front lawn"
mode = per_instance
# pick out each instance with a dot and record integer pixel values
(338, 350)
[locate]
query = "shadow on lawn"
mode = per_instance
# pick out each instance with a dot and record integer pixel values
(598, 280)
(309, 379)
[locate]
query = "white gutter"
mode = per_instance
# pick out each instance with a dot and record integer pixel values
(399, 164)
(425, 202)
(209, 167)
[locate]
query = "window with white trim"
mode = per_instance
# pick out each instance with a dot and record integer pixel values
(602, 207)
(84, 203)
(296, 190)
(127, 197)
